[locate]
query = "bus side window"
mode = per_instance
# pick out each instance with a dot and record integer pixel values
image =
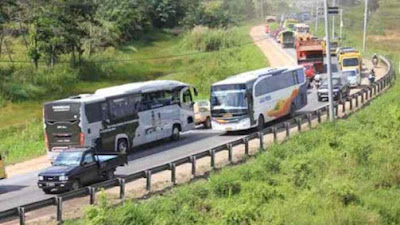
(187, 97)
(300, 76)
(295, 78)
(104, 111)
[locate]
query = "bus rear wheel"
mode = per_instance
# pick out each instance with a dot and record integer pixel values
(122, 146)
(207, 123)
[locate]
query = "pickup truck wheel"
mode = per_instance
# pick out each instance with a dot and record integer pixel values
(207, 123)
(122, 146)
(47, 191)
(261, 123)
(75, 185)
(109, 175)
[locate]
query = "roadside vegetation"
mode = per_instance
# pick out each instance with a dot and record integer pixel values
(345, 172)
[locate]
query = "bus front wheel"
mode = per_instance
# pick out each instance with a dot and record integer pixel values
(122, 146)
(175, 133)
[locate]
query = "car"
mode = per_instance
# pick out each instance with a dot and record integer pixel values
(76, 167)
(202, 113)
(340, 86)
(353, 77)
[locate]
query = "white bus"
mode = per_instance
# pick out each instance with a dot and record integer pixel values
(253, 98)
(119, 118)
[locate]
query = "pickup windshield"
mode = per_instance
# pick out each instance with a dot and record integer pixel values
(68, 159)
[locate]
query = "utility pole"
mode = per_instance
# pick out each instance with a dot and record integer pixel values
(316, 16)
(365, 25)
(341, 24)
(262, 10)
(328, 56)
(333, 20)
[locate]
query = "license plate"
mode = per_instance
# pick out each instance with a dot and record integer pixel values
(228, 129)
(51, 185)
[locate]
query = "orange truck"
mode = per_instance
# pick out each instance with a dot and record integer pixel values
(309, 51)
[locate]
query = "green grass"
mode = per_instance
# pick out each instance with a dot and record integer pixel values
(345, 172)
(20, 127)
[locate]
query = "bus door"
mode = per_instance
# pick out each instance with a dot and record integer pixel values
(187, 110)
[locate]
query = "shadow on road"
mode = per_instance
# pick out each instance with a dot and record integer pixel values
(10, 188)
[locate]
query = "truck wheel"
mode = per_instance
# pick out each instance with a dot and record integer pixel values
(207, 123)
(292, 112)
(261, 122)
(75, 185)
(175, 133)
(109, 175)
(122, 146)
(47, 191)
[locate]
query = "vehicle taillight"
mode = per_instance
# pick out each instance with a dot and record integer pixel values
(82, 139)
(46, 141)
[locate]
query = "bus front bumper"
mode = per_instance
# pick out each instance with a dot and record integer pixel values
(223, 125)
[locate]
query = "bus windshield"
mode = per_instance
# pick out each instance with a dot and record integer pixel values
(350, 62)
(229, 99)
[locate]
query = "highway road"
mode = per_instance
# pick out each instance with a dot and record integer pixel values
(22, 189)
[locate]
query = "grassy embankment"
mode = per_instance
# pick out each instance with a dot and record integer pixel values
(347, 172)
(21, 129)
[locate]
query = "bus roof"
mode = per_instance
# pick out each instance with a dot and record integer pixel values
(253, 75)
(139, 87)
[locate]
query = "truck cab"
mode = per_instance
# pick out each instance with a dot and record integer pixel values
(76, 167)
(351, 60)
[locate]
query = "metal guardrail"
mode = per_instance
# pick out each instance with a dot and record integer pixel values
(355, 101)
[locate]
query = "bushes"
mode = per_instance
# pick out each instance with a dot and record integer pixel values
(206, 39)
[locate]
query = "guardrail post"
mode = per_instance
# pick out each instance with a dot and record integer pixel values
(344, 106)
(246, 146)
(362, 97)
(121, 188)
(212, 163)
(148, 180)
(371, 91)
(287, 128)
(92, 193)
(367, 94)
(309, 119)
(21, 213)
(351, 103)
(193, 160)
(357, 95)
(319, 115)
(261, 137)
(172, 166)
(275, 131)
(59, 209)
(229, 147)
(336, 111)
(379, 86)
(298, 121)
(375, 89)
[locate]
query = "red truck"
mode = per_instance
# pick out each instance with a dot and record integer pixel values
(310, 52)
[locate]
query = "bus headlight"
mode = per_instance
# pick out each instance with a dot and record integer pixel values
(63, 178)
(41, 178)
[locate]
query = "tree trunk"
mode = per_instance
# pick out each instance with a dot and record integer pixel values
(8, 52)
(73, 55)
(52, 56)
(90, 50)
(23, 35)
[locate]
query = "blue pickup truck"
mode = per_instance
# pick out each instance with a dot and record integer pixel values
(77, 167)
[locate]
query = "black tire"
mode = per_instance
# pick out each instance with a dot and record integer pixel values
(207, 123)
(122, 146)
(75, 185)
(47, 191)
(176, 133)
(109, 175)
(261, 123)
(292, 112)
